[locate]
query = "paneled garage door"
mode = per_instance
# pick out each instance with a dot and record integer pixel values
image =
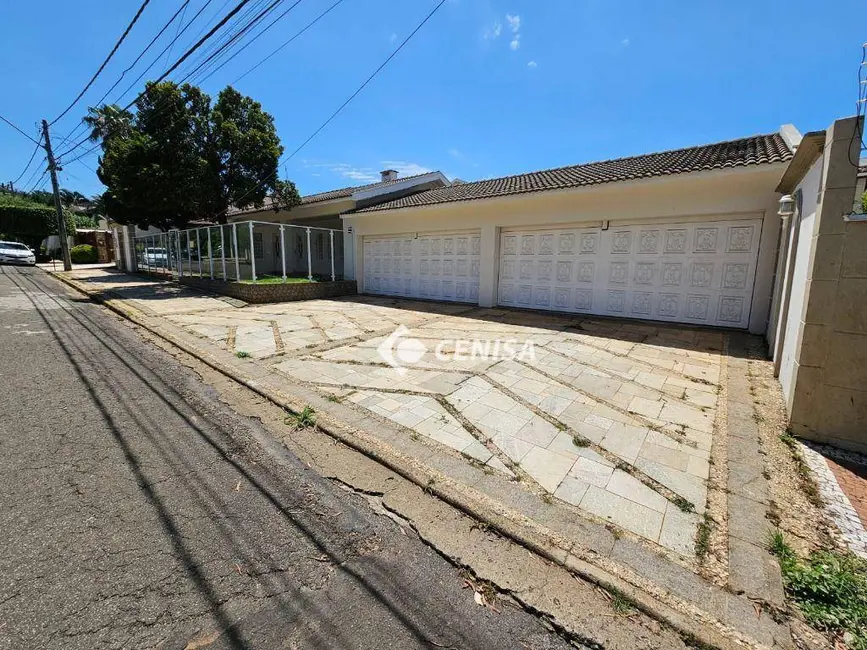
(433, 266)
(687, 272)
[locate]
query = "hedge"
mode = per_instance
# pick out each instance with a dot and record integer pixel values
(84, 254)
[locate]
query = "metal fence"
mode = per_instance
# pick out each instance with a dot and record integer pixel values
(251, 251)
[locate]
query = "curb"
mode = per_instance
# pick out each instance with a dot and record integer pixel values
(702, 627)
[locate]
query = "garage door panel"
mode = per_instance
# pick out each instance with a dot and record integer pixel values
(442, 266)
(698, 273)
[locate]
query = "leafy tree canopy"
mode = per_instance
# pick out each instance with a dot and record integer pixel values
(179, 158)
(28, 220)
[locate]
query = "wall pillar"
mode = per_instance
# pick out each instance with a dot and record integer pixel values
(489, 265)
(828, 402)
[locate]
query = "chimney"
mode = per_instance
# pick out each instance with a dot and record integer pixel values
(388, 175)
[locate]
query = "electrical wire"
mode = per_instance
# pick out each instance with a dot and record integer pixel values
(19, 130)
(285, 43)
(29, 162)
(176, 64)
(104, 63)
(348, 100)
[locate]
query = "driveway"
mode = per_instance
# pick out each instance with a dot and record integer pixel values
(614, 418)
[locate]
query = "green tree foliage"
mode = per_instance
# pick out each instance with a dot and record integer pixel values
(180, 158)
(84, 254)
(27, 220)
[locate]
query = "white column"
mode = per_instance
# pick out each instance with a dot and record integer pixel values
(210, 255)
(331, 235)
(309, 258)
(237, 262)
(223, 250)
(283, 250)
(252, 253)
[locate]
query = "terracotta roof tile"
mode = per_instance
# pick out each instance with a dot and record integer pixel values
(755, 150)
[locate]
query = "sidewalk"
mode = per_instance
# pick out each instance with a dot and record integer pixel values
(663, 583)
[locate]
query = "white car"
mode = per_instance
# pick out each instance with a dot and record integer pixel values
(14, 253)
(155, 256)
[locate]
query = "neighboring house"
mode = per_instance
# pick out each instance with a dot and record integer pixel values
(818, 333)
(322, 211)
(686, 236)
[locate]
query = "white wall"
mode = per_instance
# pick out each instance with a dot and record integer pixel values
(800, 255)
(738, 193)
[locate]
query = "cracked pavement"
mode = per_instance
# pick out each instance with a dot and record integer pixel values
(138, 511)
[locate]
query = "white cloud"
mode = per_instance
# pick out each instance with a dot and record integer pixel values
(515, 42)
(455, 153)
(493, 31)
(532, 64)
(392, 38)
(625, 42)
(405, 168)
(514, 22)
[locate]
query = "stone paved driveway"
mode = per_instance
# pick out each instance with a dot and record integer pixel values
(614, 418)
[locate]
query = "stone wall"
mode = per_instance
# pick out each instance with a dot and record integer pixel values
(271, 292)
(827, 395)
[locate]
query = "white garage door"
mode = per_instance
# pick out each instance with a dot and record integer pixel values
(687, 272)
(433, 266)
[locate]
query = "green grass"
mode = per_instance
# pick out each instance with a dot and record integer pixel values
(276, 279)
(242, 355)
(702, 538)
(303, 420)
(829, 588)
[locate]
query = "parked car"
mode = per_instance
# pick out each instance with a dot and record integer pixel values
(155, 256)
(14, 253)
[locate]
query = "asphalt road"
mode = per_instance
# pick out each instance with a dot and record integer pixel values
(137, 511)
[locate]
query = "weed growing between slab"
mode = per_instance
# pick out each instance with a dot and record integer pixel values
(702, 538)
(684, 504)
(242, 355)
(808, 484)
(830, 589)
(303, 420)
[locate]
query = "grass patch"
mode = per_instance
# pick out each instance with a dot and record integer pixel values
(578, 441)
(303, 420)
(242, 355)
(808, 484)
(829, 588)
(684, 504)
(276, 279)
(702, 538)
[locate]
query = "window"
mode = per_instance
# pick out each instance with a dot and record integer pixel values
(258, 246)
(320, 246)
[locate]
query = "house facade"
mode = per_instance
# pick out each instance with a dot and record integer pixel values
(687, 236)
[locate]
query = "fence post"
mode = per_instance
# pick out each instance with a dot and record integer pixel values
(252, 253)
(210, 255)
(283, 250)
(177, 245)
(223, 251)
(309, 258)
(331, 233)
(198, 253)
(237, 263)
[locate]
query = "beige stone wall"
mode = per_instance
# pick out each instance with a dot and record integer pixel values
(827, 396)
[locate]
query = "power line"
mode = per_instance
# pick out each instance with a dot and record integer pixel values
(285, 43)
(19, 130)
(234, 40)
(176, 64)
(259, 35)
(29, 162)
(351, 97)
(107, 59)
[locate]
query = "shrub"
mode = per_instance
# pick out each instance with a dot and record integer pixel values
(84, 254)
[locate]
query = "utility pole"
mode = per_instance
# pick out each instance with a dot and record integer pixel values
(61, 222)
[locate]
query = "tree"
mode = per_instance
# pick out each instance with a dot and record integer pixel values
(107, 121)
(28, 220)
(179, 158)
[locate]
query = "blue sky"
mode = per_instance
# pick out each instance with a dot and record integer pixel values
(487, 88)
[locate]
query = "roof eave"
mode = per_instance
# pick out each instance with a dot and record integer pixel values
(724, 171)
(811, 147)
